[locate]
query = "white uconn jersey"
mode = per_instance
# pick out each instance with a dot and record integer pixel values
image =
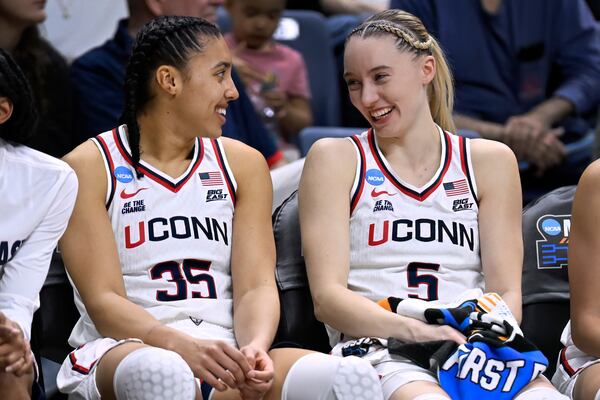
(414, 242)
(173, 236)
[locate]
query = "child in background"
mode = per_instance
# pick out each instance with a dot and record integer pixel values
(274, 74)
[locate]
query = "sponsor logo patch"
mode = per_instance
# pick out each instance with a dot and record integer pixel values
(552, 248)
(123, 174)
(134, 206)
(383, 205)
(124, 195)
(215, 195)
(375, 193)
(374, 177)
(461, 205)
(196, 321)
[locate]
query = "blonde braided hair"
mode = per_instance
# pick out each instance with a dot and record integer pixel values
(401, 33)
(412, 36)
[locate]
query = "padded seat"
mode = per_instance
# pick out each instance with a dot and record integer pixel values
(298, 326)
(545, 287)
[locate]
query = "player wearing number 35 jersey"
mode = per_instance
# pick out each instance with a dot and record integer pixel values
(172, 253)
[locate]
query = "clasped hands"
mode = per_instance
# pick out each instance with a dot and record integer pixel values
(249, 369)
(15, 352)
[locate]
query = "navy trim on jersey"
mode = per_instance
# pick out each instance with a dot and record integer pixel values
(407, 191)
(221, 162)
(206, 390)
(464, 162)
(156, 177)
(111, 168)
(361, 177)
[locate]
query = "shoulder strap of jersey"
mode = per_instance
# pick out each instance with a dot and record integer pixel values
(101, 142)
(217, 146)
(359, 175)
(464, 145)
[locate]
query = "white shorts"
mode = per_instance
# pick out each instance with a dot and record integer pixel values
(571, 362)
(395, 371)
(77, 375)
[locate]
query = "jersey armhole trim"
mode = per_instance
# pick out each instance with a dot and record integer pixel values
(467, 166)
(358, 184)
(565, 363)
(225, 168)
(108, 166)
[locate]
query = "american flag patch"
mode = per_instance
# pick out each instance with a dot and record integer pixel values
(211, 178)
(456, 188)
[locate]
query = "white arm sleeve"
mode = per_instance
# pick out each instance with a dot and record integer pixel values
(25, 273)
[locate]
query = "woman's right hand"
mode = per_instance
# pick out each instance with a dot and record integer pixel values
(418, 331)
(215, 362)
(15, 353)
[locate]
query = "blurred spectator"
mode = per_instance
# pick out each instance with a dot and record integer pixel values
(45, 70)
(529, 75)
(329, 7)
(98, 77)
(595, 7)
(93, 21)
(274, 74)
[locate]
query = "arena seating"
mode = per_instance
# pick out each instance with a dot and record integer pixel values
(545, 286)
(546, 224)
(298, 326)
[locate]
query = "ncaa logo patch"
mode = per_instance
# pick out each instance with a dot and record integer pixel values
(374, 177)
(123, 174)
(552, 248)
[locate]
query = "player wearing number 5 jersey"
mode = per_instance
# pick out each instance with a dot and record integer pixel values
(407, 208)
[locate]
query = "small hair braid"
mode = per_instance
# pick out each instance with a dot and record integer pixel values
(395, 30)
(13, 85)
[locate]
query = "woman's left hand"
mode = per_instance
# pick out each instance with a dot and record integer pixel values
(260, 378)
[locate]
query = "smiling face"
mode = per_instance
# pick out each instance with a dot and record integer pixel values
(205, 89)
(387, 86)
(255, 21)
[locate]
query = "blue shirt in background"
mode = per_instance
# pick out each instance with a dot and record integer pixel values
(506, 63)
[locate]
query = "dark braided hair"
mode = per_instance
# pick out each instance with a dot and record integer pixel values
(20, 126)
(166, 40)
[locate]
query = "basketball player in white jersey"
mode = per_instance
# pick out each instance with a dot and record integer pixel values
(37, 195)
(170, 246)
(578, 371)
(407, 208)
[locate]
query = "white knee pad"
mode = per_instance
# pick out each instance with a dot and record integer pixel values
(151, 373)
(541, 393)
(432, 396)
(323, 377)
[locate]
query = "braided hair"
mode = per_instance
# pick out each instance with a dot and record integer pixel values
(166, 40)
(412, 36)
(20, 126)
